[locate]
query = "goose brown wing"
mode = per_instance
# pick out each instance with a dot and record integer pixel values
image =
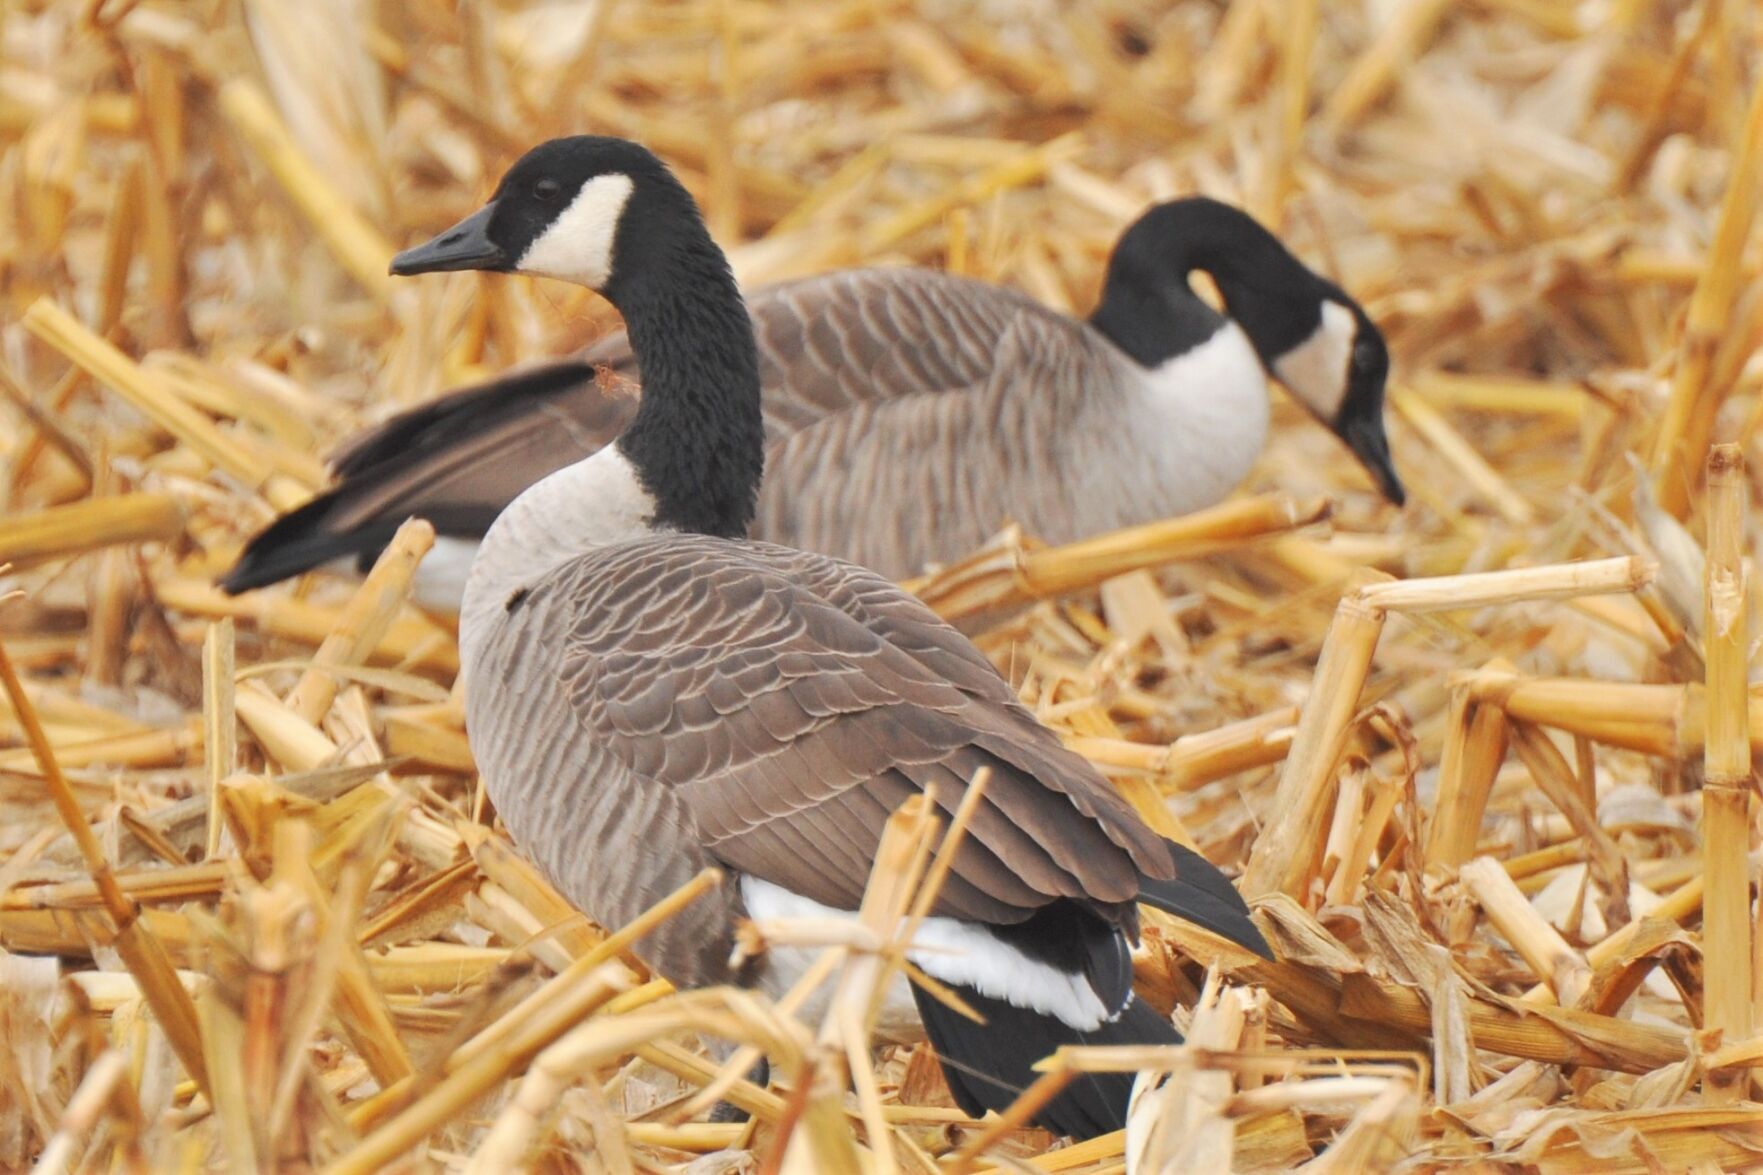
(1024, 443)
(831, 347)
(456, 462)
(826, 343)
(792, 702)
(834, 341)
(471, 452)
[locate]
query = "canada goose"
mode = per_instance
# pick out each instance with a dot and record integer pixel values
(649, 693)
(909, 414)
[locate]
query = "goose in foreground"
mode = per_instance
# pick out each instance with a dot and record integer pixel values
(909, 414)
(649, 693)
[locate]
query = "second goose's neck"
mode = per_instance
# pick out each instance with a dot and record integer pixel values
(1149, 310)
(1154, 324)
(690, 461)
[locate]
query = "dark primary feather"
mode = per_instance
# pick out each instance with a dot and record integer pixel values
(427, 428)
(455, 462)
(1202, 895)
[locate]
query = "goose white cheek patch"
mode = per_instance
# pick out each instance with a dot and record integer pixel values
(578, 245)
(1315, 370)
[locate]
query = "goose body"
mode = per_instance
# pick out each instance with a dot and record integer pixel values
(648, 692)
(909, 413)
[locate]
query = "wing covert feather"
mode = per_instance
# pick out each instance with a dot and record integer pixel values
(792, 701)
(833, 341)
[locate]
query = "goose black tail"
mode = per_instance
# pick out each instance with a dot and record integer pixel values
(299, 541)
(988, 1065)
(1200, 894)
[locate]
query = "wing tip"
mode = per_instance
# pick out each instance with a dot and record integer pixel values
(1201, 894)
(293, 544)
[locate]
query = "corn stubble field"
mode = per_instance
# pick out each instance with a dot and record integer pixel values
(1498, 823)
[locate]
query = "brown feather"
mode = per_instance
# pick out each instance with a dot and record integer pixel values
(683, 698)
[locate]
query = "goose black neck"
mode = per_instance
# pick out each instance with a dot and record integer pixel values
(1150, 311)
(697, 441)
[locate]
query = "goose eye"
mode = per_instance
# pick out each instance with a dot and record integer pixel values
(546, 190)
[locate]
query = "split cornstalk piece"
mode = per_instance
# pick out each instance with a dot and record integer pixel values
(1475, 746)
(1282, 854)
(219, 721)
(1196, 759)
(1726, 824)
(1689, 413)
(1558, 581)
(1541, 945)
(1179, 1122)
(1666, 720)
(1000, 576)
(364, 620)
(63, 531)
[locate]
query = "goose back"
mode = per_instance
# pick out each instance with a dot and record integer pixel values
(680, 701)
(1059, 432)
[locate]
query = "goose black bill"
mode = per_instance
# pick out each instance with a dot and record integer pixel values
(1361, 426)
(467, 245)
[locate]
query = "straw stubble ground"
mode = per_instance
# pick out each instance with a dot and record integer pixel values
(1483, 764)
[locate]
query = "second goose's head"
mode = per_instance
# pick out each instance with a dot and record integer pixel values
(583, 209)
(1310, 335)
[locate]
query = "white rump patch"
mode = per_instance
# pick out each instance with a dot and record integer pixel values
(948, 949)
(578, 245)
(1315, 371)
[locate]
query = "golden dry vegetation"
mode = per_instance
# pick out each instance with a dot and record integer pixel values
(1483, 764)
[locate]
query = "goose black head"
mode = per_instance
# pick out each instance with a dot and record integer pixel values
(571, 208)
(1311, 336)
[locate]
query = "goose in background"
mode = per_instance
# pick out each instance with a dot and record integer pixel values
(648, 692)
(910, 414)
